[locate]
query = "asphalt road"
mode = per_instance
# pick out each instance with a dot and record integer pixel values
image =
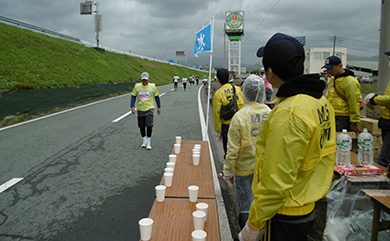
(85, 177)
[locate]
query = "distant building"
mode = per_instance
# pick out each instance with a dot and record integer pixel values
(315, 58)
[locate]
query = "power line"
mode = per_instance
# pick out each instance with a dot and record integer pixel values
(361, 41)
(268, 11)
(239, 5)
(363, 50)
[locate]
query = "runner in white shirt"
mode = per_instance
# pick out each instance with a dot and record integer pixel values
(175, 81)
(190, 80)
(184, 81)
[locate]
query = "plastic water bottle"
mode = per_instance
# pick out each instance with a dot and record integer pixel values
(344, 146)
(366, 144)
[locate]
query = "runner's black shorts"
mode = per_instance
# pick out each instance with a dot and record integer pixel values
(145, 121)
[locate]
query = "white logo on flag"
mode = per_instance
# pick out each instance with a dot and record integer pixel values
(203, 40)
(201, 44)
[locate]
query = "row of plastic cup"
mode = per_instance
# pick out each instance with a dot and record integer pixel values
(196, 154)
(168, 171)
(146, 226)
(177, 144)
(199, 216)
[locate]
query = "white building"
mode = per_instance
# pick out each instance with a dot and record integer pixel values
(315, 58)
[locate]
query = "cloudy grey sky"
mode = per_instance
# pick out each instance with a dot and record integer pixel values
(159, 28)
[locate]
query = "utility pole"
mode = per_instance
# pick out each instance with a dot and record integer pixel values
(224, 45)
(334, 45)
(384, 46)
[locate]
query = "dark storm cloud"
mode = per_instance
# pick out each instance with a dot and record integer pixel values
(158, 28)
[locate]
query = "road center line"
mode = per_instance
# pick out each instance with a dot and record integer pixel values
(9, 184)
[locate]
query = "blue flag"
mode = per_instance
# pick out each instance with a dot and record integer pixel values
(203, 40)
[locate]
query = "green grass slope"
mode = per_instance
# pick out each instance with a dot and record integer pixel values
(33, 60)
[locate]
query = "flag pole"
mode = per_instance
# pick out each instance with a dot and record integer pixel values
(209, 80)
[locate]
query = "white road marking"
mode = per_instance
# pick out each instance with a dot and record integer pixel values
(9, 184)
(61, 112)
(121, 117)
(128, 113)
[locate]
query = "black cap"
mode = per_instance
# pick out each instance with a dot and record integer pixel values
(280, 49)
(331, 61)
(223, 75)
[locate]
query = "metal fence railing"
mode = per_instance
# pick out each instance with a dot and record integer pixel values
(38, 29)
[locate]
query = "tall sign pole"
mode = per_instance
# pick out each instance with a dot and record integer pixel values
(86, 9)
(384, 46)
(98, 24)
(234, 30)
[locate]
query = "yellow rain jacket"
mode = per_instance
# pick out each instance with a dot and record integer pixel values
(222, 97)
(295, 152)
(243, 131)
(348, 86)
(385, 101)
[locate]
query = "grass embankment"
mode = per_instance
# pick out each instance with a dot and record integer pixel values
(33, 60)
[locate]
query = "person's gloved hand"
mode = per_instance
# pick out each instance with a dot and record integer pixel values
(228, 178)
(250, 234)
(369, 100)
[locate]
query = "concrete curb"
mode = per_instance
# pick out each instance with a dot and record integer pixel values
(224, 227)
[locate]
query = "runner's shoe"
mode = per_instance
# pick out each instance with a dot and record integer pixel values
(148, 146)
(144, 144)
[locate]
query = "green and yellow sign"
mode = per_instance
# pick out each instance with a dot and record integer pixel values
(234, 20)
(235, 23)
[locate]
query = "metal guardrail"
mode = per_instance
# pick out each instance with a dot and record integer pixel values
(38, 29)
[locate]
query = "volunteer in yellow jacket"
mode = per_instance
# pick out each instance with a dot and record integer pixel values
(383, 123)
(344, 83)
(222, 97)
(243, 131)
(295, 150)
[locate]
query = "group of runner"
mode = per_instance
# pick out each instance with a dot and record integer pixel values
(191, 81)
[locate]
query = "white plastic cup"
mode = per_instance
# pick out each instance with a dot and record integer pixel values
(198, 145)
(178, 139)
(195, 159)
(172, 158)
(198, 217)
(168, 169)
(199, 235)
(203, 207)
(145, 228)
(177, 148)
(195, 150)
(193, 193)
(196, 153)
(160, 193)
(171, 165)
(168, 179)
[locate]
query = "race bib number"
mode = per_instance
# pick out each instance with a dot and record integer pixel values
(144, 95)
